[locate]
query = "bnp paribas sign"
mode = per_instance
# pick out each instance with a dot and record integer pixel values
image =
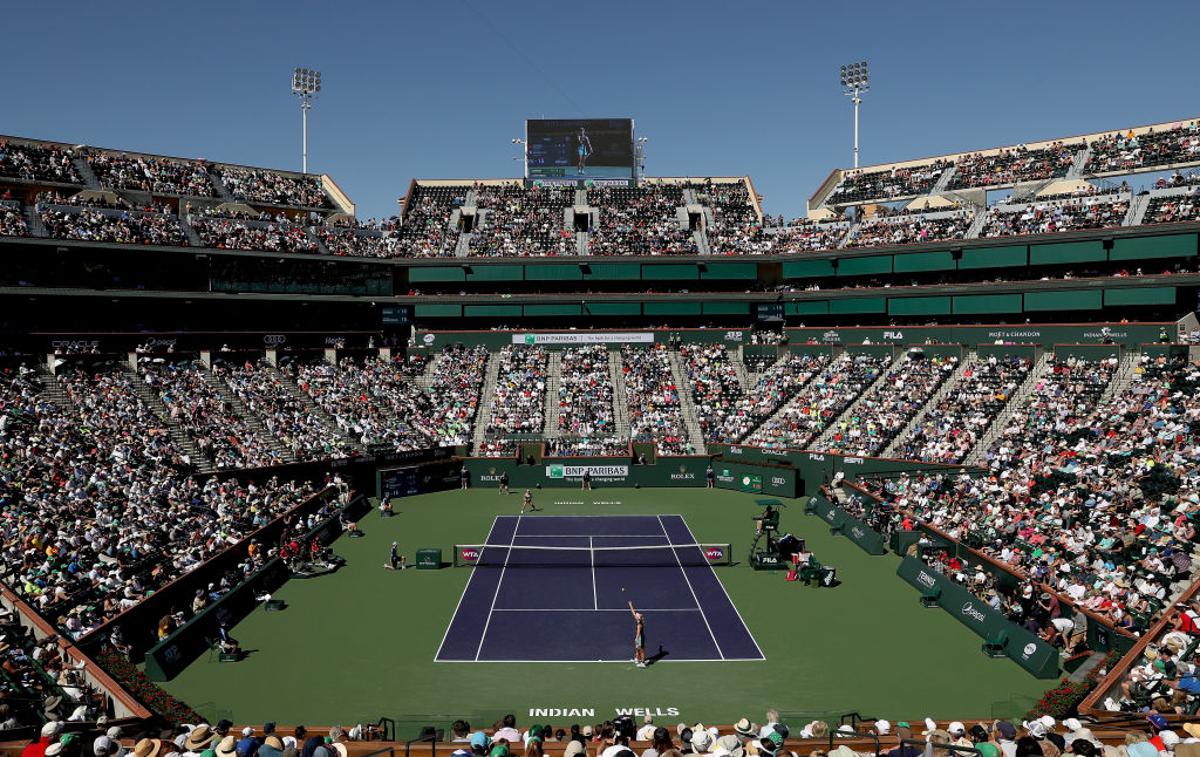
(561, 471)
(584, 337)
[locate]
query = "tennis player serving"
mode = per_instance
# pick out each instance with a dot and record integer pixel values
(639, 636)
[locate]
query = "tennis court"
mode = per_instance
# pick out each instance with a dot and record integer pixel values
(556, 589)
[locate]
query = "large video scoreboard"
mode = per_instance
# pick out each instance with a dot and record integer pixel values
(584, 148)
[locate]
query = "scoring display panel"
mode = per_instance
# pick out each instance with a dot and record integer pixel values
(589, 148)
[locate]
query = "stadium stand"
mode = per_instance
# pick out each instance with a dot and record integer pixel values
(519, 222)
(639, 221)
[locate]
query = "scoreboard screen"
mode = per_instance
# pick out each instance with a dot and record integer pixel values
(588, 148)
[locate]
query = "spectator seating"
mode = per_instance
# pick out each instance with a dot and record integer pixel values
(888, 407)
(426, 231)
(806, 416)
(804, 236)
(735, 227)
(1057, 216)
(774, 387)
(1014, 165)
(655, 414)
(519, 403)
(1122, 152)
(37, 162)
(950, 429)
(911, 229)
(586, 416)
(861, 184)
(520, 222)
(150, 174)
(207, 412)
(639, 221)
(277, 235)
(258, 185)
(1174, 208)
(12, 220)
(108, 225)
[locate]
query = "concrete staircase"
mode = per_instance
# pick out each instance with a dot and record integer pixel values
(822, 441)
(1137, 210)
(1123, 378)
(553, 383)
(182, 439)
(943, 181)
(702, 246)
(462, 248)
(193, 236)
(978, 456)
(52, 390)
(934, 399)
(620, 397)
(582, 240)
(1081, 159)
(222, 190)
(977, 224)
(486, 396)
(252, 419)
(686, 406)
(322, 417)
(85, 171)
(739, 367)
(34, 222)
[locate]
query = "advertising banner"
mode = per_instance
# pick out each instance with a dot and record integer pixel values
(1022, 647)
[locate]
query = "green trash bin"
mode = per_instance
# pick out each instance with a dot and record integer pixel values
(429, 559)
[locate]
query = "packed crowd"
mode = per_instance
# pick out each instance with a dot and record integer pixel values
(103, 499)
(911, 229)
(891, 404)
(279, 235)
(713, 382)
(12, 220)
(735, 226)
(37, 163)
(377, 401)
(1010, 166)
(150, 174)
(1053, 217)
(808, 237)
(519, 402)
(1094, 496)
(949, 429)
(292, 423)
(774, 387)
(1128, 151)
(122, 227)
(426, 230)
(822, 400)
(890, 183)
(1174, 208)
(520, 222)
(361, 244)
(655, 414)
(40, 680)
(259, 185)
(1163, 678)
(210, 416)
(587, 423)
(639, 221)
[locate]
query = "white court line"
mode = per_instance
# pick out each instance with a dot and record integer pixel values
(600, 609)
(727, 597)
(624, 661)
(499, 583)
(460, 599)
(598, 515)
(595, 591)
(693, 591)
(585, 536)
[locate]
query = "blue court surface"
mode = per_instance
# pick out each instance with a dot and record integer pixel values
(571, 605)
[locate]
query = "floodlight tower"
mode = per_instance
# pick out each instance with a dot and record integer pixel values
(641, 156)
(524, 156)
(306, 83)
(855, 84)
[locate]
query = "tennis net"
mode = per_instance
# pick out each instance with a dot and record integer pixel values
(521, 556)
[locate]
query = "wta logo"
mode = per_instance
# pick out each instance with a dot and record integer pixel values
(714, 554)
(469, 554)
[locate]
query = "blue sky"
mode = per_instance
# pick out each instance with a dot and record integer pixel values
(438, 89)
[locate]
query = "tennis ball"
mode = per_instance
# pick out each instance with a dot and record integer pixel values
(622, 588)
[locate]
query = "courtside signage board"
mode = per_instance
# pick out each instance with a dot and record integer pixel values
(559, 471)
(585, 337)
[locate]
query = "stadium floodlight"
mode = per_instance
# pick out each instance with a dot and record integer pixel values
(306, 83)
(524, 154)
(641, 156)
(856, 82)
